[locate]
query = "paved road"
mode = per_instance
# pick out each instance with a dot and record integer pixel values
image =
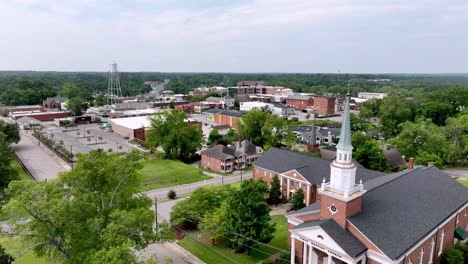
(38, 159)
(457, 173)
(190, 187)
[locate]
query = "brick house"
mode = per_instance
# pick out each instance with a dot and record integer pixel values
(300, 102)
(225, 159)
(405, 217)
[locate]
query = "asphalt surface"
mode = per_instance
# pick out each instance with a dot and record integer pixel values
(457, 173)
(41, 162)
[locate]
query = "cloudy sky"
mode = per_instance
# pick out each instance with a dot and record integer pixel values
(360, 36)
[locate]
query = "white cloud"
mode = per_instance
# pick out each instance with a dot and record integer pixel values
(258, 35)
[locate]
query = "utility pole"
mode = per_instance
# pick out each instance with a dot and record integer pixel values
(241, 176)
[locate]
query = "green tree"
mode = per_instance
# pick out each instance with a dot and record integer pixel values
(452, 255)
(276, 131)
(100, 100)
(247, 215)
(393, 112)
(204, 200)
(92, 214)
(76, 105)
(172, 105)
(214, 136)
(70, 90)
(265, 129)
(370, 108)
(457, 131)
(437, 111)
(212, 223)
(6, 157)
(275, 191)
(368, 153)
(11, 132)
(5, 258)
(298, 200)
(251, 126)
(422, 138)
(178, 139)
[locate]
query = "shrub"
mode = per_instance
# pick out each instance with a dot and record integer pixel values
(298, 200)
(171, 194)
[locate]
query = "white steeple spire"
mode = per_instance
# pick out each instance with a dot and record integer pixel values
(343, 169)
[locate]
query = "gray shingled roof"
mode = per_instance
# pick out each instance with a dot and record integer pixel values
(347, 241)
(313, 169)
(313, 207)
(320, 168)
(246, 147)
(406, 207)
(394, 158)
(232, 113)
(220, 151)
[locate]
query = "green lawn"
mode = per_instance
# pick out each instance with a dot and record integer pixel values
(208, 253)
(17, 167)
(14, 247)
(159, 173)
(463, 181)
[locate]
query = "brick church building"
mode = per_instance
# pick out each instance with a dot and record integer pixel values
(359, 216)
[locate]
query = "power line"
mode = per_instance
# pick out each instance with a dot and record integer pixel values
(228, 259)
(266, 253)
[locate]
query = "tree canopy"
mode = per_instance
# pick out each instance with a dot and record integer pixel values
(247, 215)
(178, 139)
(368, 153)
(92, 214)
(264, 129)
(11, 132)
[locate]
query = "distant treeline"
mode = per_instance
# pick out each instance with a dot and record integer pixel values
(17, 88)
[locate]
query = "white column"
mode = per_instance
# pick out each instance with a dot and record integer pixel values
(310, 254)
(293, 249)
(363, 260)
(304, 253)
(308, 195)
(287, 195)
(329, 259)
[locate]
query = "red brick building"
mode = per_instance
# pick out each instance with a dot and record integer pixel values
(41, 116)
(228, 117)
(225, 159)
(300, 102)
(324, 105)
(405, 217)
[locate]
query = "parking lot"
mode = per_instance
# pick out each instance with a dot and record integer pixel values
(85, 138)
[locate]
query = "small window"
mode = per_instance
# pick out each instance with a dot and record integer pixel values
(339, 157)
(345, 157)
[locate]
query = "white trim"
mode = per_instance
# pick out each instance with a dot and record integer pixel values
(344, 257)
(431, 251)
(441, 245)
(437, 228)
(378, 257)
(295, 179)
(294, 221)
(304, 213)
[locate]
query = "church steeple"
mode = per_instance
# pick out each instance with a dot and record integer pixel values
(345, 135)
(343, 169)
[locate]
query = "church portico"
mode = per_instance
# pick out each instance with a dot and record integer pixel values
(314, 252)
